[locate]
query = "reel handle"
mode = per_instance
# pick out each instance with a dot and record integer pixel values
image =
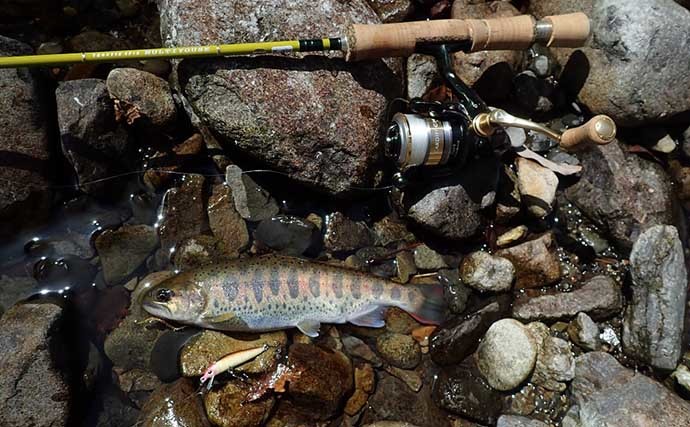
(471, 35)
(599, 130)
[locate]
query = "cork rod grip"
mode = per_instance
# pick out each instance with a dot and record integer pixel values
(518, 32)
(599, 130)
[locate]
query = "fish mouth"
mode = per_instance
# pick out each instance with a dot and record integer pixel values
(157, 309)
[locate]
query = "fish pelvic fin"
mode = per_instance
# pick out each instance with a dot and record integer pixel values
(371, 319)
(430, 308)
(309, 327)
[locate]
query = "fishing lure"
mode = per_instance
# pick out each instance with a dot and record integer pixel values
(230, 361)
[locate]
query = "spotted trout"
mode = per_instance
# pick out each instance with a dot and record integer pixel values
(270, 292)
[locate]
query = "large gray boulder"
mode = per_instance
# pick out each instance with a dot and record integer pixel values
(653, 325)
(316, 118)
(24, 142)
(635, 66)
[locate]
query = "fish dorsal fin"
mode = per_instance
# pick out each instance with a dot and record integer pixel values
(370, 319)
(309, 327)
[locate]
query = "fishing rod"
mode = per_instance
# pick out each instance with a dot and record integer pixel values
(435, 134)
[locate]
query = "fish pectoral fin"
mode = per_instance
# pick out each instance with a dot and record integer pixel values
(309, 328)
(370, 319)
(220, 318)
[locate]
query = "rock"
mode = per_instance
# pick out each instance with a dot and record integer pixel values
(252, 201)
(421, 74)
(183, 213)
(137, 384)
(24, 142)
(665, 145)
(535, 96)
(91, 139)
(489, 72)
(393, 400)
(653, 324)
(209, 346)
(392, 10)
(355, 347)
(142, 97)
(198, 251)
(129, 346)
(428, 259)
(343, 234)
(33, 389)
(584, 332)
(15, 289)
(682, 376)
(365, 383)
(622, 193)
(122, 251)
(225, 222)
(390, 230)
(511, 236)
(536, 262)
(324, 135)
(555, 364)
(518, 421)
(399, 350)
(537, 186)
(290, 235)
(324, 381)
(447, 212)
(399, 322)
(508, 201)
(411, 378)
(173, 405)
(114, 410)
(404, 261)
(226, 407)
(600, 298)
(609, 394)
(455, 293)
(462, 390)
(622, 36)
(507, 354)
(454, 341)
(487, 273)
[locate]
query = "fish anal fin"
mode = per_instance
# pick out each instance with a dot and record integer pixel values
(371, 319)
(309, 327)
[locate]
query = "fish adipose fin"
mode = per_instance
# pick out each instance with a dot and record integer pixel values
(370, 319)
(309, 328)
(430, 309)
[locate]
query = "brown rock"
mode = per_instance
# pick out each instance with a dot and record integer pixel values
(183, 212)
(392, 10)
(225, 222)
(123, 250)
(143, 95)
(399, 350)
(343, 234)
(536, 262)
(197, 251)
(226, 407)
(173, 405)
(365, 382)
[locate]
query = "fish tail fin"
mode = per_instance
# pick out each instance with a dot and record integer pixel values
(431, 309)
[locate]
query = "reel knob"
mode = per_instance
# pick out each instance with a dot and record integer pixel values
(599, 130)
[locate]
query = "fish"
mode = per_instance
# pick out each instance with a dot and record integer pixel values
(274, 292)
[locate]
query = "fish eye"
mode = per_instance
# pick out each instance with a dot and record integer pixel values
(164, 295)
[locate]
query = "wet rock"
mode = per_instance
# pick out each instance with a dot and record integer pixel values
(183, 213)
(33, 390)
(622, 193)
(600, 298)
(323, 137)
(24, 143)
(455, 293)
(507, 354)
(399, 350)
(392, 10)
(355, 347)
(343, 234)
(325, 380)
(142, 96)
(584, 332)
(448, 212)
(653, 324)
(622, 36)
(122, 251)
(519, 421)
(399, 321)
(200, 250)
(508, 200)
(404, 261)
(609, 394)
(462, 390)
(173, 405)
(252, 201)
(129, 346)
(411, 378)
(487, 273)
(390, 230)
(454, 341)
(226, 406)
(365, 383)
(393, 400)
(536, 262)
(537, 186)
(116, 410)
(428, 259)
(290, 235)
(91, 139)
(511, 236)
(14, 289)
(136, 383)
(225, 222)
(489, 72)
(209, 346)
(421, 75)
(555, 364)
